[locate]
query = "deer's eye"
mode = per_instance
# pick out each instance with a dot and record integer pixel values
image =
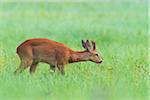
(96, 54)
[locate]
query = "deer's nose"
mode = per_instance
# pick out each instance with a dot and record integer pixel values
(101, 61)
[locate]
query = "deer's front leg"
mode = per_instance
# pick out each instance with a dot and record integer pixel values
(61, 69)
(52, 68)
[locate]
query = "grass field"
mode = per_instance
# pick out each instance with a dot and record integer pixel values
(120, 29)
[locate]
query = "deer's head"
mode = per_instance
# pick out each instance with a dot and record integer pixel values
(92, 53)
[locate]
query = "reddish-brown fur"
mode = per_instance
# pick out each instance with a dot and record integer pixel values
(56, 54)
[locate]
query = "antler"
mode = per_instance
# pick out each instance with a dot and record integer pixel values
(87, 45)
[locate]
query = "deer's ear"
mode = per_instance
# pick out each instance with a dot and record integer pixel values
(94, 45)
(83, 44)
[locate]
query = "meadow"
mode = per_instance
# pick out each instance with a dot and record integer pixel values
(119, 28)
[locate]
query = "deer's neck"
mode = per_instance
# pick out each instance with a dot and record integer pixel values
(77, 56)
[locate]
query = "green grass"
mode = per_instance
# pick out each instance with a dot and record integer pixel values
(120, 29)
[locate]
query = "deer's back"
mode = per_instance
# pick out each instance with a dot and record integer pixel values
(39, 42)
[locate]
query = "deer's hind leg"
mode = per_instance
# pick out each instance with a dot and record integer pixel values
(26, 58)
(23, 65)
(33, 67)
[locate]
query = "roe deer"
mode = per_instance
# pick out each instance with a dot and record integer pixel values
(33, 51)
